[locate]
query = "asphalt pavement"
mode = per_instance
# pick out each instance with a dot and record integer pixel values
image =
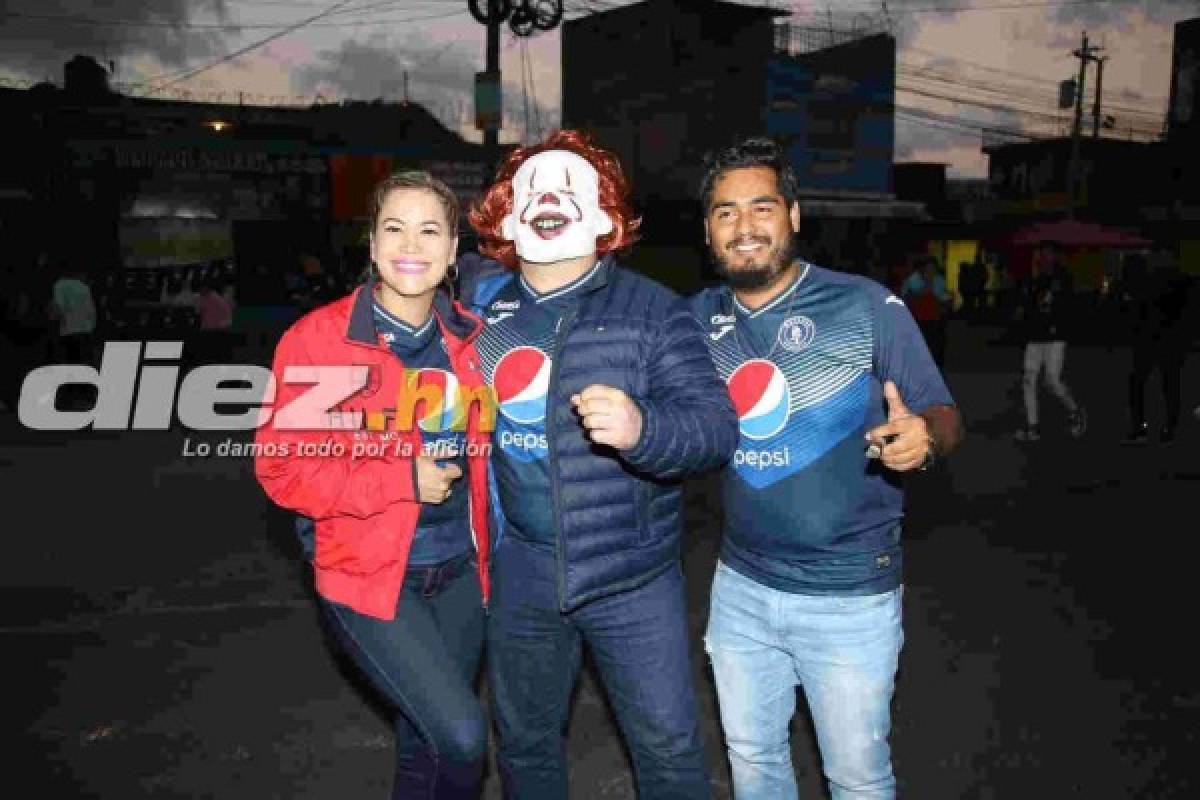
(161, 639)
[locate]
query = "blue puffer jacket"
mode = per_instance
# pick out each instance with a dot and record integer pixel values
(619, 514)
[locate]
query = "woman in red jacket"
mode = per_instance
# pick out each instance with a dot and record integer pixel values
(380, 435)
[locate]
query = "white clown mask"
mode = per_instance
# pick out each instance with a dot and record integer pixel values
(556, 208)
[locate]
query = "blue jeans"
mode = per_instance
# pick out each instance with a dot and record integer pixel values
(640, 643)
(842, 651)
(424, 664)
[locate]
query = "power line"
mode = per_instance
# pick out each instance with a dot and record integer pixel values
(979, 103)
(1042, 95)
(248, 48)
(1036, 79)
(299, 4)
(961, 124)
(172, 78)
(1009, 6)
(243, 26)
(1043, 118)
(1045, 105)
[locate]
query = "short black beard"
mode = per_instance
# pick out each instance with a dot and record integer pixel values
(756, 277)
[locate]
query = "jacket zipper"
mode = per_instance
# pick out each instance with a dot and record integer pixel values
(484, 555)
(555, 493)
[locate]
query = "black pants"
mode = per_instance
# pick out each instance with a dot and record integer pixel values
(76, 348)
(1168, 358)
(423, 663)
(973, 303)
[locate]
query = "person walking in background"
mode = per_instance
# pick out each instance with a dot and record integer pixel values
(972, 280)
(1157, 298)
(214, 315)
(1003, 301)
(1043, 317)
(926, 295)
(72, 308)
(401, 544)
(214, 310)
(828, 373)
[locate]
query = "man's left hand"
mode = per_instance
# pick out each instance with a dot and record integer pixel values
(609, 416)
(903, 441)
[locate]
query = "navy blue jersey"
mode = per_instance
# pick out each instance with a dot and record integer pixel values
(515, 350)
(443, 530)
(805, 510)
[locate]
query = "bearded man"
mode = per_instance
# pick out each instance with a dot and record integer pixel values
(836, 395)
(606, 399)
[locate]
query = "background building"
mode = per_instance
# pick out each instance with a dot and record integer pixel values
(664, 82)
(167, 191)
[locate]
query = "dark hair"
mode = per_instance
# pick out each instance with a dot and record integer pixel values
(415, 179)
(756, 151)
(487, 215)
(924, 260)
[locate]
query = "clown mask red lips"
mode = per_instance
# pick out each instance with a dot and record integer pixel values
(556, 208)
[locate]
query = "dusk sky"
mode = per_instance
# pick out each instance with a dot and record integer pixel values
(972, 63)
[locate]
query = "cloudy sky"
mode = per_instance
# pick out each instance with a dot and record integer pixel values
(967, 69)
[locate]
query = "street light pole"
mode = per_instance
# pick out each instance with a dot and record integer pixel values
(525, 17)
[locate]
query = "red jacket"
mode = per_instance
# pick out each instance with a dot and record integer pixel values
(365, 504)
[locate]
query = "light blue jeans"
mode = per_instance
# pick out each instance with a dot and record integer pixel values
(842, 651)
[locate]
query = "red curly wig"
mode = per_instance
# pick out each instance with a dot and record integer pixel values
(487, 215)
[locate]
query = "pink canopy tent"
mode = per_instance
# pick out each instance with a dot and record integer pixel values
(1075, 234)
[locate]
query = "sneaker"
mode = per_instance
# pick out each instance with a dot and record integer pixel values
(1166, 435)
(1138, 434)
(1078, 422)
(1027, 434)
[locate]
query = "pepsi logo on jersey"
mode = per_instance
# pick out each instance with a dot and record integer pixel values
(762, 400)
(521, 383)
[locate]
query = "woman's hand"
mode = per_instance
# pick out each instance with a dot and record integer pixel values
(435, 482)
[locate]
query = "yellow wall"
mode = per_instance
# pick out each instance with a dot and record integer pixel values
(1087, 268)
(950, 253)
(1189, 256)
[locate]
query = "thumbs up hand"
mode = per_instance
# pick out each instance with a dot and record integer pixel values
(903, 442)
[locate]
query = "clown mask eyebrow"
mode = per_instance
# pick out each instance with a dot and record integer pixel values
(556, 212)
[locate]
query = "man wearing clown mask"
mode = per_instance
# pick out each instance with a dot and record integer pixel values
(606, 399)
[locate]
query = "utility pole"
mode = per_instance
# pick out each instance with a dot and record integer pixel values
(1099, 92)
(489, 112)
(491, 134)
(1085, 54)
